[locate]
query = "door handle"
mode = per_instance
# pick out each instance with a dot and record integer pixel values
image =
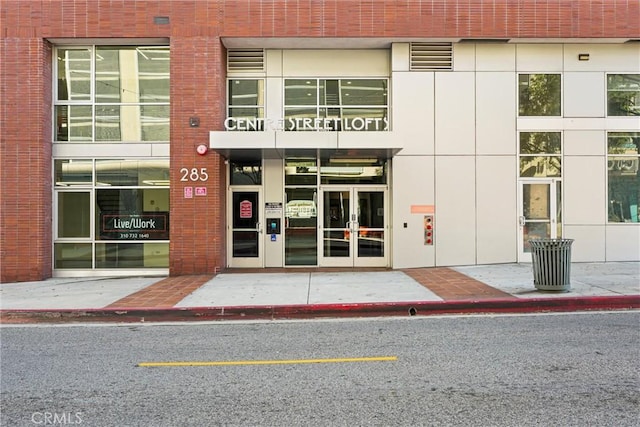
(521, 221)
(259, 227)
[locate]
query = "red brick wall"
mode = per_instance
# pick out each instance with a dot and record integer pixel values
(197, 87)
(197, 90)
(432, 18)
(25, 159)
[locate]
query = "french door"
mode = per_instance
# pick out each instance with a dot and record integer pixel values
(246, 245)
(353, 227)
(539, 213)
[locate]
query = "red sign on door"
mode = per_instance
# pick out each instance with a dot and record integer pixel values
(246, 209)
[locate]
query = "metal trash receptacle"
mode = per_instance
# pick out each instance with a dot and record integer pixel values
(551, 259)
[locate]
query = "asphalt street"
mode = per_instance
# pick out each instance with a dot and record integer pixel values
(554, 369)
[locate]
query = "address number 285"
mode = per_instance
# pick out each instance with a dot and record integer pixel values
(194, 174)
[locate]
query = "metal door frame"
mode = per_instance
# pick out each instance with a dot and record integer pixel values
(554, 220)
(245, 262)
(353, 229)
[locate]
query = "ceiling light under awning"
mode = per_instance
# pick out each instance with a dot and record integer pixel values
(352, 160)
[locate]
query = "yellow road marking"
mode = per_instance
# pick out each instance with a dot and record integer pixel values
(270, 362)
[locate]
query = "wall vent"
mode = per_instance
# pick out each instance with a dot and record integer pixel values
(431, 56)
(245, 60)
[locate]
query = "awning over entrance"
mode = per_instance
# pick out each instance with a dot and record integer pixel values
(277, 145)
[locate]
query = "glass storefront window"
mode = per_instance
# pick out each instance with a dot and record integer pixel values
(539, 94)
(623, 95)
(74, 214)
(623, 179)
(132, 214)
(112, 94)
(540, 154)
(73, 255)
(123, 214)
(132, 255)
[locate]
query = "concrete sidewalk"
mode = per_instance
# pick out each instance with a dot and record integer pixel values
(318, 292)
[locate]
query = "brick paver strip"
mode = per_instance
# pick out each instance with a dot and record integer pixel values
(165, 293)
(449, 284)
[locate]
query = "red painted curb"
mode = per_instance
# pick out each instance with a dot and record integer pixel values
(310, 311)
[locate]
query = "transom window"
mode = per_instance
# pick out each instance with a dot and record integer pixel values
(336, 104)
(245, 172)
(335, 170)
(540, 154)
(112, 94)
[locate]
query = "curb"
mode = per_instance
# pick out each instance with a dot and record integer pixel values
(312, 311)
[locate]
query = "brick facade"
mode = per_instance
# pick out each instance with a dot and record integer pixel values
(198, 87)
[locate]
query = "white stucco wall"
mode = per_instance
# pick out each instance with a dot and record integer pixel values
(468, 120)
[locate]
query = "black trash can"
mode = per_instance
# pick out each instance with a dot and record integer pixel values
(551, 260)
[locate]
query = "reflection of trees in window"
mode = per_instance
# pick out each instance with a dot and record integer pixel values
(623, 94)
(539, 94)
(246, 173)
(623, 176)
(540, 154)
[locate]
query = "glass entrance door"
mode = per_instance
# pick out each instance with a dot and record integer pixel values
(353, 227)
(246, 229)
(540, 214)
(301, 227)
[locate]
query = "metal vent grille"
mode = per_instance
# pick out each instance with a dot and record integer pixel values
(431, 56)
(245, 60)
